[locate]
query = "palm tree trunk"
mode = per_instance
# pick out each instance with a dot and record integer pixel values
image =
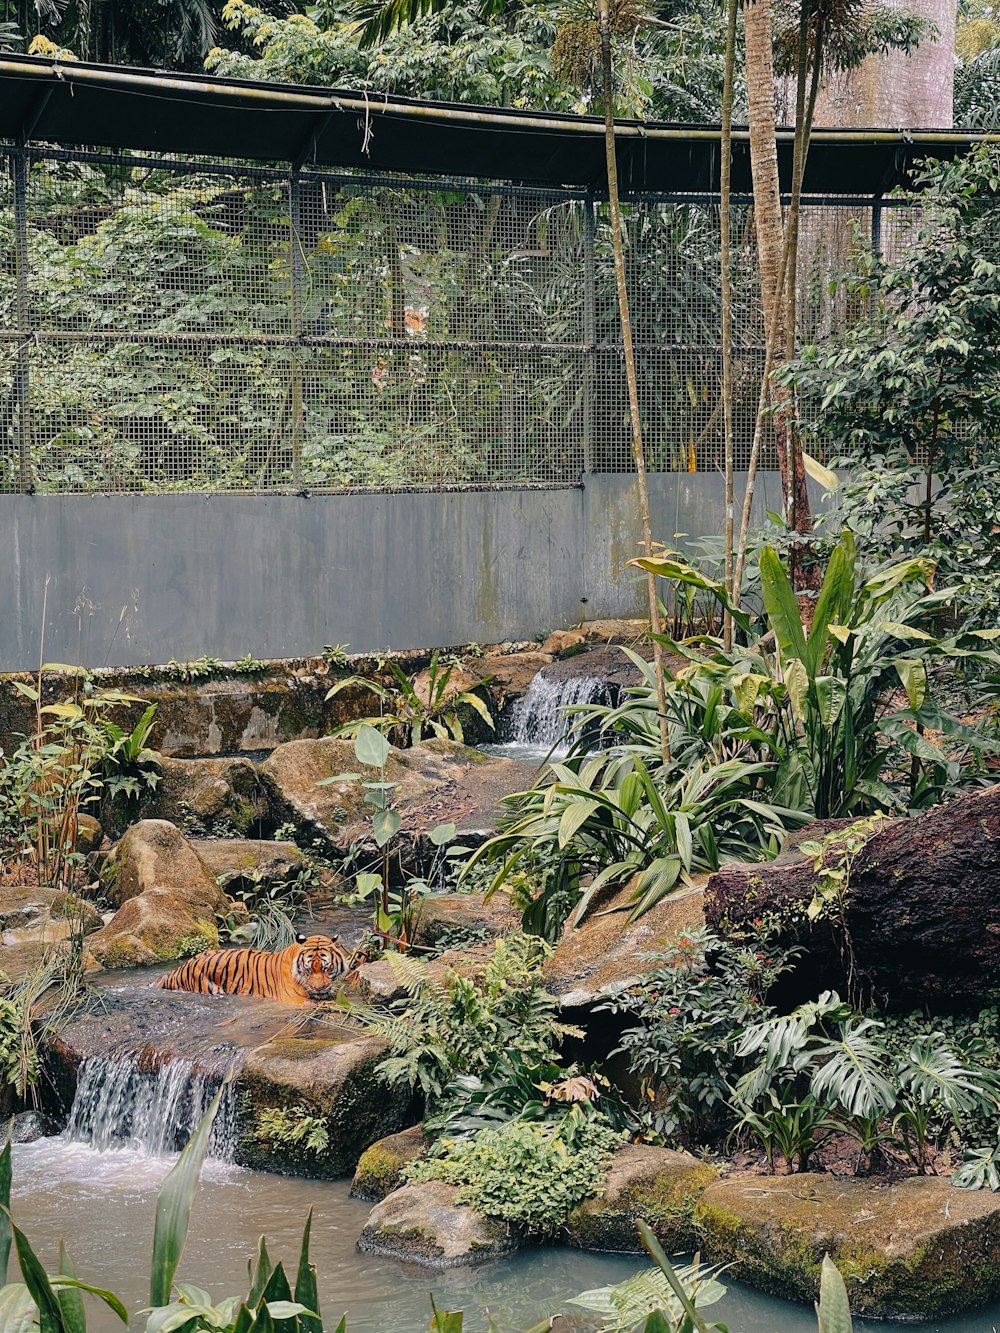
(725, 220)
(639, 453)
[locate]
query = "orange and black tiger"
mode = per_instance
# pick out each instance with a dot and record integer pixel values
(310, 969)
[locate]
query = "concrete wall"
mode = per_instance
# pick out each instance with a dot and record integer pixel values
(142, 579)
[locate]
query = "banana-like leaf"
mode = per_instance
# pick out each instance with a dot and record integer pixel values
(833, 602)
(797, 684)
(575, 814)
(823, 476)
(782, 609)
(913, 677)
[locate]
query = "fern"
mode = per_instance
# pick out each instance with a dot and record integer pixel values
(627, 1304)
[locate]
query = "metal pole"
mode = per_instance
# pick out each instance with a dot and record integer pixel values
(22, 382)
(295, 388)
(877, 225)
(589, 331)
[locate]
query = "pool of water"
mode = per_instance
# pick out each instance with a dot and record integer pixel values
(102, 1203)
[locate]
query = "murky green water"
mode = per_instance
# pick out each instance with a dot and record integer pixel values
(102, 1203)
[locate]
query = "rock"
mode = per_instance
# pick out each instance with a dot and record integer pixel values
(28, 1126)
(387, 978)
(89, 834)
(607, 664)
(153, 927)
(167, 900)
(565, 641)
(437, 782)
(655, 1185)
(423, 1224)
(67, 906)
(455, 919)
(921, 906)
(379, 1168)
(154, 855)
(918, 1249)
(604, 953)
(222, 797)
(242, 862)
(331, 1077)
(24, 905)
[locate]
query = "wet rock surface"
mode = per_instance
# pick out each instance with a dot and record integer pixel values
(916, 1249)
(655, 1185)
(378, 1170)
(457, 918)
(210, 796)
(247, 861)
(423, 1224)
(603, 952)
(436, 782)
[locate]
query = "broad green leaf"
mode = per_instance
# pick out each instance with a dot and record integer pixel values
(442, 834)
(261, 1274)
(36, 1279)
(173, 1208)
(306, 1289)
(69, 1298)
(371, 747)
(575, 814)
(18, 1313)
(5, 1178)
(28, 691)
(833, 1309)
(782, 609)
(913, 678)
(831, 695)
(386, 824)
(832, 603)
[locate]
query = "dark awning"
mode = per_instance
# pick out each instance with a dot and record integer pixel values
(110, 107)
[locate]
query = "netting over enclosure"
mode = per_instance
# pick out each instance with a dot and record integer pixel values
(169, 326)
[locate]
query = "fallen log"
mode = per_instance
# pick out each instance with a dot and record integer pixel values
(897, 912)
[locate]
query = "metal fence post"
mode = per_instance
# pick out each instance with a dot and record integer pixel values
(22, 373)
(589, 330)
(295, 265)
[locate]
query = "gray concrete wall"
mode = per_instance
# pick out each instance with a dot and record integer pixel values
(142, 579)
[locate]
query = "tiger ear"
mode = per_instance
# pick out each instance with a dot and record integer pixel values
(300, 939)
(334, 939)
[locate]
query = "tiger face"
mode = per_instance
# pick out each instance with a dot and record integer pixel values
(318, 963)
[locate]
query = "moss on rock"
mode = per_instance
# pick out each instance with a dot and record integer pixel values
(654, 1185)
(379, 1169)
(917, 1249)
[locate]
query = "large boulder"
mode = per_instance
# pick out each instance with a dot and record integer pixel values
(423, 1224)
(918, 1249)
(380, 1167)
(913, 905)
(329, 1076)
(452, 920)
(604, 951)
(204, 797)
(436, 782)
(236, 862)
(654, 1185)
(167, 902)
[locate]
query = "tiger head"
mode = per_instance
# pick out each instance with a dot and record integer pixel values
(318, 963)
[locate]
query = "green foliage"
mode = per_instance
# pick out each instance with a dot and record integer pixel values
(691, 1007)
(625, 1305)
(467, 1024)
(418, 707)
(555, 1165)
(291, 1127)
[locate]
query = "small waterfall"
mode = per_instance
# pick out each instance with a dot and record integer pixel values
(539, 720)
(119, 1103)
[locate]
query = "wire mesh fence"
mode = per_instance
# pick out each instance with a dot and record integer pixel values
(176, 326)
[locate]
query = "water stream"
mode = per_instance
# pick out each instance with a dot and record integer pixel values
(539, 724)
(95, 1184)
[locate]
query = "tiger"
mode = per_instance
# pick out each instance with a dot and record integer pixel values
(308, 970)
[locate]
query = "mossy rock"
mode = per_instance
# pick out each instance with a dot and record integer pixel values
(423, 1224)
(917, 1249)
(331, 1079)
(654, 1185)
(380, 1168)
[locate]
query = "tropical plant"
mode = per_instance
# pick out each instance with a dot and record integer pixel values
(691, 1006)
(467, 1024)
(555, 1164)
(828, 697)
(425, 704)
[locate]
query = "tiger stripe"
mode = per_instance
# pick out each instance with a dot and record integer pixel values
(307, 970)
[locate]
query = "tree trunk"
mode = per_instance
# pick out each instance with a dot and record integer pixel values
(725, 258)
(639, 453)
(920, 920)
(912, 91)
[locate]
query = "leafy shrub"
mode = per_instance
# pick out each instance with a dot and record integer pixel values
(467, 1024)
(291, 1127)
(528, 1173)
(691, 1008)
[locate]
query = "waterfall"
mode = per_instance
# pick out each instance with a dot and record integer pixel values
(538, 719)
(120, 1103)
